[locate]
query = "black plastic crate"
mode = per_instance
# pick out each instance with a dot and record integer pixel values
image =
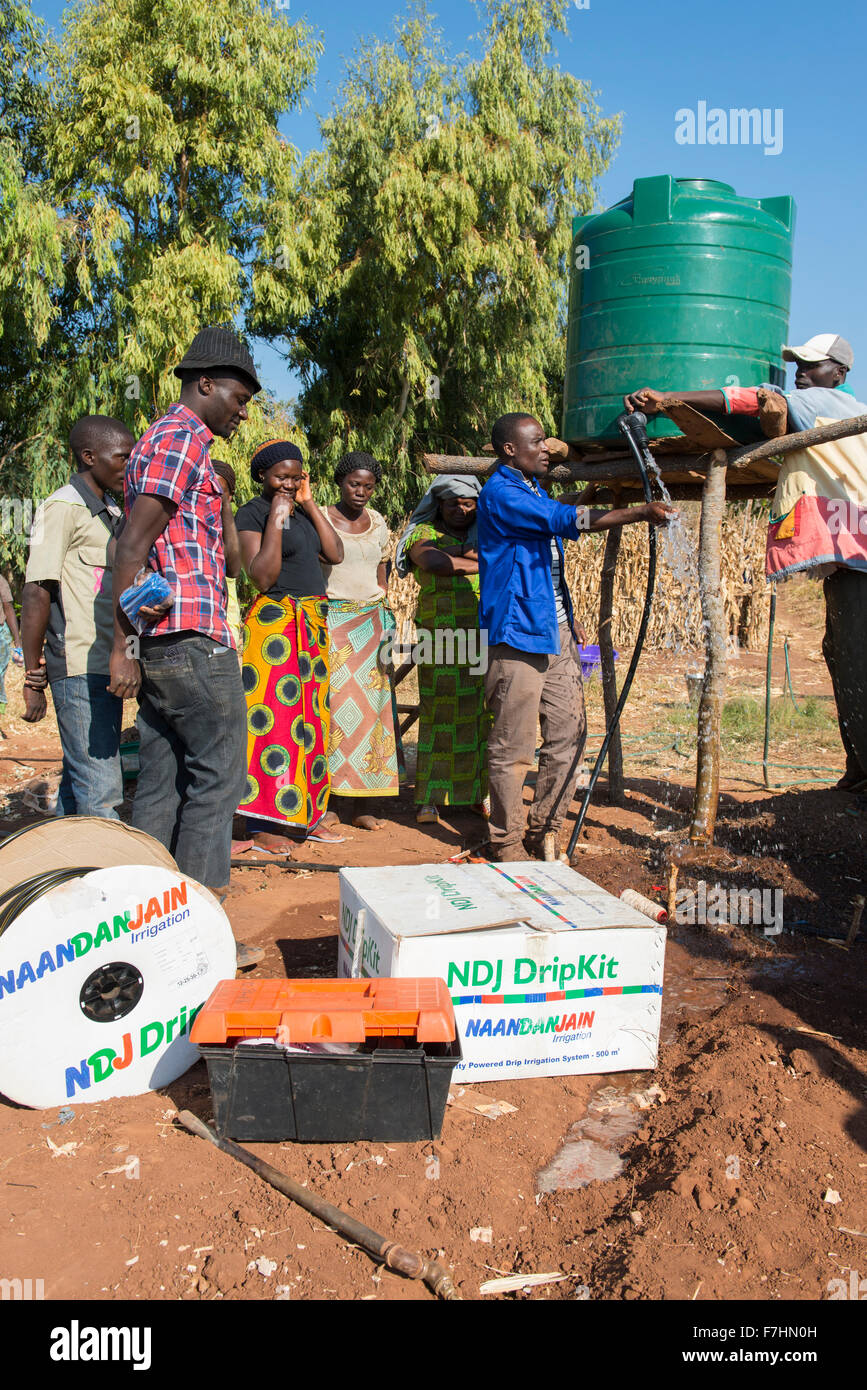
(381, 1094)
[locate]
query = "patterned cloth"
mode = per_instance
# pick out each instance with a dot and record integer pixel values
(285, 678)
(362, 752)
(453, 720)
(5, 653)
(171, 460)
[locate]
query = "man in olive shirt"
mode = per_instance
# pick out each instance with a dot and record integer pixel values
(67, 618)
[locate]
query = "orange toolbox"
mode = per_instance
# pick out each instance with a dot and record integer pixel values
(329, 1060)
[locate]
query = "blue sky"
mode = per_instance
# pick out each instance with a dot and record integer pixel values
(647, 60)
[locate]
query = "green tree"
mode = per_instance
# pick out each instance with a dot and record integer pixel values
(165, 151)
(165, 174)
(33, 241)
(427, 267)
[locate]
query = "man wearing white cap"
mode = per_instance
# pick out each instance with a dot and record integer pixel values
(818, 521)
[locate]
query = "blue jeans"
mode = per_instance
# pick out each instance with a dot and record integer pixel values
(88, 720)
(192, 725)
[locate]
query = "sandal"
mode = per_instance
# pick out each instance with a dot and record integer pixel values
(427, 815)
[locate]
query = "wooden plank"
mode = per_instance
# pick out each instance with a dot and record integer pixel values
(701, 432)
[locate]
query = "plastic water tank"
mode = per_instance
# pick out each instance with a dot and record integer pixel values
(682, 285)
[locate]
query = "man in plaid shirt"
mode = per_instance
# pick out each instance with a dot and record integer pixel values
(192, 712)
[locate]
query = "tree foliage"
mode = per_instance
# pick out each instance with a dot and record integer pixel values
(427, 268)
(162, 173)
(166, 153)
(413, 269)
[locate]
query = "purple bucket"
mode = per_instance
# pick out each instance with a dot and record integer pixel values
(590, 661)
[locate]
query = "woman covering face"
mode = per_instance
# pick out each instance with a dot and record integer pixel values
(284, 538)
(363, 752)
(440, 544)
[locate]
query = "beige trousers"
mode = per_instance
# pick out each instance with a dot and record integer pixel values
(521, 688)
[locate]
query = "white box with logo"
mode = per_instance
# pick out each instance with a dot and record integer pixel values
(548, 973)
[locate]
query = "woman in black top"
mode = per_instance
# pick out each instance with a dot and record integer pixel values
(284, 535)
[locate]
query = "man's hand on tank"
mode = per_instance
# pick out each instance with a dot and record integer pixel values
(647, 399)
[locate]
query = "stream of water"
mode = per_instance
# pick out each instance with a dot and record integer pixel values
(679, 555)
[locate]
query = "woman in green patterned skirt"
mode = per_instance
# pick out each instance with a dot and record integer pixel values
(440, 544)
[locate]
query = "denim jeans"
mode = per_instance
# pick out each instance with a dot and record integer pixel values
(192, 725)
(88, 720)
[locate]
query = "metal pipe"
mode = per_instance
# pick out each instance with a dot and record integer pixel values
(771, 617)
(632, 426)
(393, 1256)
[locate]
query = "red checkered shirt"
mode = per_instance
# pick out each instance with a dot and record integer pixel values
(171, 460)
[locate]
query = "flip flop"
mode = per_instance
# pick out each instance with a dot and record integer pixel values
(269, 853)
(324, 837)
(241, 846)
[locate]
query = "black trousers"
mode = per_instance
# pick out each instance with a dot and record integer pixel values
(844, 648)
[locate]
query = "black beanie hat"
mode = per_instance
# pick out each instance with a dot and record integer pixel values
(271, 452)
(218, 347)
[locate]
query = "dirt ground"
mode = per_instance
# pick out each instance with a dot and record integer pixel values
(742, 1157)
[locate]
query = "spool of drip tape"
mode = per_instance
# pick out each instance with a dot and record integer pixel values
(100, 980)
(66, 842)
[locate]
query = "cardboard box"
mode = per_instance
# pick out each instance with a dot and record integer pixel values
(549, 974)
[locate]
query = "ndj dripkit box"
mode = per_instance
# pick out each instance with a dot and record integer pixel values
(548, 973)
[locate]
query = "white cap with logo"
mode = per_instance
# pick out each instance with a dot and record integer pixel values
(822, 348)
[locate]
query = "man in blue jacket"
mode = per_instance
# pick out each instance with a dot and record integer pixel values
(534, 669)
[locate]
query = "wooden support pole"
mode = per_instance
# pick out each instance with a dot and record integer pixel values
(713, 689)
(616, 789)
(804, 439)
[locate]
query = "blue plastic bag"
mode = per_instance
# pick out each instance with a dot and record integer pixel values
(152, 590)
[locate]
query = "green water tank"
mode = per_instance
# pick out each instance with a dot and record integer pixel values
(682, 285)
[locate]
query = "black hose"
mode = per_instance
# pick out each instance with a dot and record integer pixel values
(633, 428)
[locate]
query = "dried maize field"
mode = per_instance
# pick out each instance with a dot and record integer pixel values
(675, 621)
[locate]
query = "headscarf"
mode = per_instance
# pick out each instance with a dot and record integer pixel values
(271, 452)
(445, 486)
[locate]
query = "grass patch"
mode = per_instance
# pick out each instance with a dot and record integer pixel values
(743, 720)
